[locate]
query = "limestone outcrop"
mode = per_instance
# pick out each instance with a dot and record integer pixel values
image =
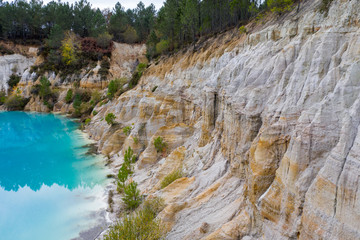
(13, 64)
(265, 127)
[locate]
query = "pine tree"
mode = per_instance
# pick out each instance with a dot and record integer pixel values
(132, 197)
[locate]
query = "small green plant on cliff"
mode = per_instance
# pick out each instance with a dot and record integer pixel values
(113, 87)
(104, 68)
(2, 97)
(127, 130)
(132, 197)
(110, 118)
(136, 140)
(325, 6)
(242, 30)
(124, 173)
(45, 91)
(160, 144)
(95, 98)
(280, 6)
(87, 121)
(141, 224)
(126, 169)
(13, 80)
(77, 104)
(171, 177)
(137, 74)
(69, 96)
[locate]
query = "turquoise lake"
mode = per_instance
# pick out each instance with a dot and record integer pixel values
(50, 188)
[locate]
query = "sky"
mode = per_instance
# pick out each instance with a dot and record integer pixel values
(102, 4)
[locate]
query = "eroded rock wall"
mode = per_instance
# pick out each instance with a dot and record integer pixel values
(264, 125)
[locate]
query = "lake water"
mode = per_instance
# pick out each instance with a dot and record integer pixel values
(49, 187)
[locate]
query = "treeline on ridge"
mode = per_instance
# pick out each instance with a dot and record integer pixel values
(177, 23)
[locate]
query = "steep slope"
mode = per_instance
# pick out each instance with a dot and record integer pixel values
(265, 126)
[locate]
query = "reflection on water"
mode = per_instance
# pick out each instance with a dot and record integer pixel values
(49, 187)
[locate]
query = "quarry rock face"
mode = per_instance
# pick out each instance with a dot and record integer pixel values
(265, 127)
(13, 64)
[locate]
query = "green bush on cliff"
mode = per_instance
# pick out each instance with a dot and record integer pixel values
(280, 6)
(87, 121)
(69, 96)
(132, 197)
(127, 130)
(137, 74)
(113, 87)
(160, 144)
(126, 169)
(110, 118)
(13, 80)
(141, 224)
(171, 177)
(104, 68)
(45, 91)
(15, 102)
(2, 97)
(325, 5)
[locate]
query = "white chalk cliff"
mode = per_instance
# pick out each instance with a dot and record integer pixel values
(264, 125)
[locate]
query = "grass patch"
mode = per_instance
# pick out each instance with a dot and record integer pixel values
(171, 177)
(141, 224)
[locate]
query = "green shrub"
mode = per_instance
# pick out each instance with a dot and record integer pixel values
(13, 80)
(242, 30)
(127, 130)
(15, 102)
(69, 96)
(141, 224)
(77, 101)
(126, 169)
(280, 6)
(95, 112)
(171, 177)
(48, 105)
(113, 87)
(104, 68)
(136, 140)
(162, 47)
(87, 121)
(104, 40)
(123, 174)
(325, 5)
(35, 89)
(129, 156)
(95, 97)
(132, 197)
(154, 205)
(110, 118)
(2, 97)
(45, 91)
(160, 144)
(130, 35)
(137, 74)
